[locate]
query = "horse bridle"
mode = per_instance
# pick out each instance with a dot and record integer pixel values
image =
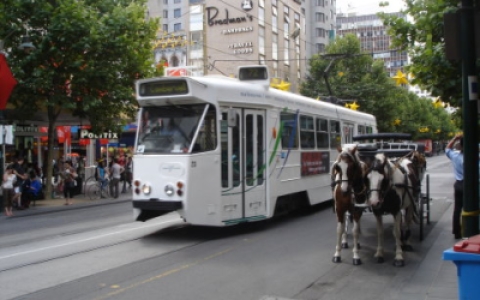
(380, 168)
(351, 184)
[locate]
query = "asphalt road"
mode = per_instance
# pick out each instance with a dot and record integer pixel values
(99, 253)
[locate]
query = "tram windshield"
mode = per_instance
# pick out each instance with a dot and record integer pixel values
(176, 129)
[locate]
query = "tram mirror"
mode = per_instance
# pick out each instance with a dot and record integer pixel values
(232, 117)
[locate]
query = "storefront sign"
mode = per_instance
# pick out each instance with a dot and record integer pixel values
(213, 17)
(85, 134)
(241, 48)
(237, 30)
(26, 128)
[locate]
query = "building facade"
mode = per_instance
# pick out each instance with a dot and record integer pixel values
(320, 17)
(373, 38)
(215, 37)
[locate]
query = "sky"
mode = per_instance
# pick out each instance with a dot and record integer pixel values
(368, 6)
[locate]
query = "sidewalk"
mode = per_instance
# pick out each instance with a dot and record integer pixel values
(58, 204)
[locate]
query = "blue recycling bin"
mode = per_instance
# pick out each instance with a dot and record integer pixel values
(466, 256)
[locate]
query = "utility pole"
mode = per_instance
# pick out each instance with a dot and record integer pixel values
(470, 214)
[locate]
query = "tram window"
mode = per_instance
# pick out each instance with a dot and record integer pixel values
(362, 129)
(207, 137)
(322, 133)
(307, 133)
(289, 133)
(335, 134)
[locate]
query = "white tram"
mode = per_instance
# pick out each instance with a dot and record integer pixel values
(222, 151)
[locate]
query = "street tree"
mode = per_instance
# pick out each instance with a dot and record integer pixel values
(354, 75)
(87, 55)
(422, 35)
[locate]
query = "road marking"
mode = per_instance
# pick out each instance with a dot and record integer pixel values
(164, 274)
(87, 239)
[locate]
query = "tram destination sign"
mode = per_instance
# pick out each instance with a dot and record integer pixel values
(163, 88)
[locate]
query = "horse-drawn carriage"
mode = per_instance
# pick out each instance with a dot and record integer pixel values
(396, 146)
(384, 175)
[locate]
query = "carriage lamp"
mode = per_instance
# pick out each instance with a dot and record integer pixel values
(147, 189)
(169, 190)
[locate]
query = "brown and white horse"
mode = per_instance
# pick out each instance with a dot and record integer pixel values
(390, 191)
(349, 189)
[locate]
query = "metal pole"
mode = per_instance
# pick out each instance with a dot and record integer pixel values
(470, 121)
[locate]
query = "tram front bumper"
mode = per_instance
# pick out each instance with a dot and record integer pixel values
(152, 208)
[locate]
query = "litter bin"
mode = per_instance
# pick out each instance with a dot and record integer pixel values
(466, 256)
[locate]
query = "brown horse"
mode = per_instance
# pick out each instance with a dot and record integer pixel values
(349, 191)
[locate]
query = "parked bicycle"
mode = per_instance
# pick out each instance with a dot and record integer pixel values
(97, 191)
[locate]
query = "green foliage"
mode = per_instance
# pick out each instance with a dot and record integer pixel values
(87, 56)
(423, 36)
(354, 75)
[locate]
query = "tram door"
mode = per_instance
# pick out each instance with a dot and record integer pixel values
(243, 164)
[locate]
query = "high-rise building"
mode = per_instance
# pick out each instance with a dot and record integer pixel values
(320, 17)
(217, 36)
(374, 39)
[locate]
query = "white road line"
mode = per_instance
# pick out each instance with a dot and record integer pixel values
(86, 240)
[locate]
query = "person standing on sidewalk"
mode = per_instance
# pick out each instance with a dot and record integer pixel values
(116, 173)
(457, 162)
(68, 176)
(7, 188)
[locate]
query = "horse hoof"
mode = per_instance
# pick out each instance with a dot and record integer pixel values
(408, 248)
(380, 260)
(357, 261)
(337, 259)
(345, 245)
(398, 263)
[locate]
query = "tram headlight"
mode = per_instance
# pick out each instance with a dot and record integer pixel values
(146, 189)
(169, 190)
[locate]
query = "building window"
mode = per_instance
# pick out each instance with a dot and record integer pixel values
(319, 32)
(286, 10)
(177, 1)
(274, 2)
(320, 47)
(165, 14)
(274, 46)
(165, 27)
(177, 13)
(261, 3)
(320, 17)
(165, 1)
(261, 40)
(274, 19)
(285, 52)
(320, 3)
(177, 27)
(261, 16)
(286, 29)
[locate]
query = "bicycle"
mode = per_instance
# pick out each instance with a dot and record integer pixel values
(95, 191)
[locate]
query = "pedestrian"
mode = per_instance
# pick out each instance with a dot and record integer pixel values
(19, 169)
(8, 190)
(101, 174)
(68, 178)
(115, 174)
(456, 156)
(129, 171)
(32, 189)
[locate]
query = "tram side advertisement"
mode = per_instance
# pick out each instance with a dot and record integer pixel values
(315, 163)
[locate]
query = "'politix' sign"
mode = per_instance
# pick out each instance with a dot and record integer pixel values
(85, 134)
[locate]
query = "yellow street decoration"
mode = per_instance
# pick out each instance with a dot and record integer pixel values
(438, 103)
(400, 78)
(340, 74)
(438, 131)
(347, 105)
(354, 105)
(423, 129)
(397, 122)
(278, 84)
